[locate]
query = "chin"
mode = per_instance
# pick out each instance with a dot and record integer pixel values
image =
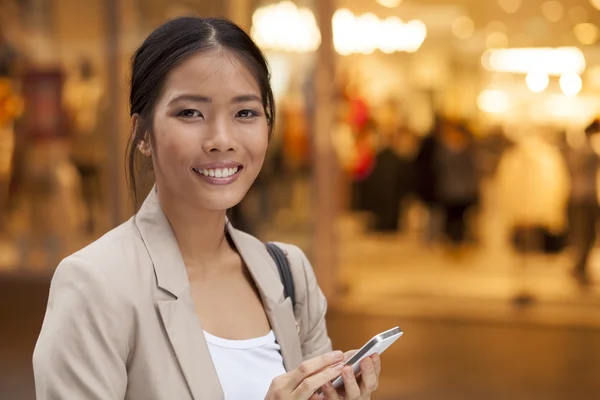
(222, 202)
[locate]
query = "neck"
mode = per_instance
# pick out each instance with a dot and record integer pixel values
(200, 233)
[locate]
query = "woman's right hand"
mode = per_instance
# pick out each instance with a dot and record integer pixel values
(303, 382)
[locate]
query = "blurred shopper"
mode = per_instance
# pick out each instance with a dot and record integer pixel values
(176, 303)
(490, 149)
(426, 175)
(9, 56)
(457, 186)
(533, 191)
(583, 162)
(391, 181)
(363, 163)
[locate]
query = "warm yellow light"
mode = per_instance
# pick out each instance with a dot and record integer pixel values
(493, 101)
(344, 29)
(592, 76)
(366, 33)
(390, 29)
(586, 33)
(578, 15)
(510, 6)
(285, 27)
(552, 61)
(415, 33)
(463, 27)
(495, 26)
(390, 3)
(595, 3)
(537, 81)
(496, 40)
(368, 25)
(553, 10)
(521, 40)
(570, 84)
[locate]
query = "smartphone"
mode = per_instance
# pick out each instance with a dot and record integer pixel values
(378, 344)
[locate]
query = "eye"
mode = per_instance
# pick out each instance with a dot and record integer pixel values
(190, 113)
(247, 114)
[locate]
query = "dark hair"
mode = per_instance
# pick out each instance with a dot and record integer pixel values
(167, 47)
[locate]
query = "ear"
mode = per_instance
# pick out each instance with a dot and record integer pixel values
(143, 145)
(145, 148)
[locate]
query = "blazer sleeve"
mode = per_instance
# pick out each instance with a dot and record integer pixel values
(82, 350)
(316, 341)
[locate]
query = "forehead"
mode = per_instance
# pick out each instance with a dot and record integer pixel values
(214, 73)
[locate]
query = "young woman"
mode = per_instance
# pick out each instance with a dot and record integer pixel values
(176, 303)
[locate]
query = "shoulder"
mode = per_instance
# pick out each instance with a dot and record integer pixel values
(305, 280)
(116, 260)
(296, 256)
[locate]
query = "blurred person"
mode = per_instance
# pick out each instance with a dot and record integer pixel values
(490, 149)
(533, 189)
(427, 177)
(176, 303)
(583, 163)
(9, 57)
(457, 184)
(390, 181)
(363, 162)
(295, 136)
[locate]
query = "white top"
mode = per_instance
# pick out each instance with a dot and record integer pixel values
(246, 367)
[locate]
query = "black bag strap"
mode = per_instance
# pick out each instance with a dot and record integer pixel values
(285, 273)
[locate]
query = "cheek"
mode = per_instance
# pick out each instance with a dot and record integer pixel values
(171, 148)
(259, 146)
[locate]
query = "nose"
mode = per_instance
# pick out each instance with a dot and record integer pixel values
(220, 137)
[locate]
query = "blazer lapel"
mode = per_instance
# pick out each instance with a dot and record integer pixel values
(279, 310)
(283, 323)
(179, 318)
(187, 338)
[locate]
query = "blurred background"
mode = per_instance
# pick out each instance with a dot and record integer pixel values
(436, 159)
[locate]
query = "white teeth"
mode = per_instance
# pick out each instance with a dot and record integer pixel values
(219, 172)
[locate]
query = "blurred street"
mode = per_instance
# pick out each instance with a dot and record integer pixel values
(393, 275)
(435, 359)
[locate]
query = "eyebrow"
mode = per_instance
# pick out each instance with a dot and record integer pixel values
(203, 99)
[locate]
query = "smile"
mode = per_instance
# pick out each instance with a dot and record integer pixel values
(217, 172)
(218, 176)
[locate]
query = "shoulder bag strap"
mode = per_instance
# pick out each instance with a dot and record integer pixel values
(285, 273)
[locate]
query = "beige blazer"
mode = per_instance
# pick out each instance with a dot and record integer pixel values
(120, 322)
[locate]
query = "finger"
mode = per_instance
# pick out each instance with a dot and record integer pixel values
(369, 379)
(350, 384)
(377, 363)
(310, 367)
(329, 392)
(309, 385)
(349, 354)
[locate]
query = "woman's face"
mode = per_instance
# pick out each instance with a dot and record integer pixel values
(210, 132)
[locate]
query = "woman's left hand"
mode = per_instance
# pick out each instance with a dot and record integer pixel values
(357, 389)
